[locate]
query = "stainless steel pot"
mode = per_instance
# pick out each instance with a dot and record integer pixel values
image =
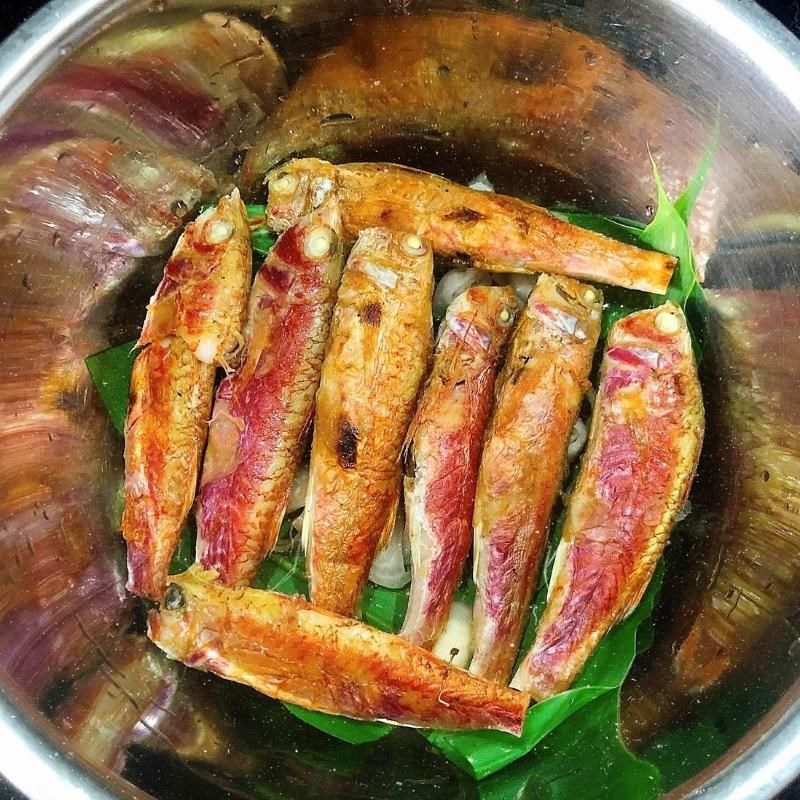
(555, 99)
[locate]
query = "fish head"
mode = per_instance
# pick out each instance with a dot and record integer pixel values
(482, 316)
(182, 618)
(224, 222)
(296, 189)
(659, 335)
(315, 242)
(569, 307)
(384, 258)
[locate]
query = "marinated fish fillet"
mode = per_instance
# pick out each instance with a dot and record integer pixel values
(494, 232)
(193, 322)
(262, 412)
(643, 449)
(293, 651)
(524, 461)
(377, 355)
(445, 443)
(165, 432)
(202, 297)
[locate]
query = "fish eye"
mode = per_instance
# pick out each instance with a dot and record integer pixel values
(319, 242)
(219, 231)
(413, 245)
(505, 316)
(174, 598)
(283, 184)
(668, 322)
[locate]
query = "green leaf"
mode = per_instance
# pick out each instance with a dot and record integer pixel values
(623, 230)
(110, 371)
(684, 205)
(483, 753)
(582, 758)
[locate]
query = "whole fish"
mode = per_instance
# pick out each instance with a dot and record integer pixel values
(644, 444)
(165, 431)
(263, 411)
(492, 231)
(524, 460)
(193, 322)
(444, 450)
(293, 651)
(377, 355)
(202, 297)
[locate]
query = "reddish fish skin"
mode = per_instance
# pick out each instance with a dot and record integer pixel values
(193, 321)
(539, 394)
(164, 441)
(202, 297)
(445, 441)
(294, 651)
(495, 232)
(644, 444)
(262, 412)
(375, 363)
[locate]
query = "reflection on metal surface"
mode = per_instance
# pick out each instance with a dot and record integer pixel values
(557, 100)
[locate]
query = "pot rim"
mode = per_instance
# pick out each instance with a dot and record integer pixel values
(36, 758)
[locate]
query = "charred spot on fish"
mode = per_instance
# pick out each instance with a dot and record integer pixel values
(386, 215)
(347, 444)
(443, 71)
(341, 118)
(765, 475)
(371, 314)
(464, 215)
(174, 598)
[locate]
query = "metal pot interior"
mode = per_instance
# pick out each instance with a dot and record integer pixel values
(563, 102)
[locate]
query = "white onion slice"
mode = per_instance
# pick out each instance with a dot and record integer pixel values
(452, 284)
(522, 286)
(455, 643)
(577, 441)
(390, 568)
(297, 495)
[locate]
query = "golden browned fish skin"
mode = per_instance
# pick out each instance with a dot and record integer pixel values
(202, 297)
(524, 461)
(644, 444)
(377, 355)
(445, 443)
(165, 432)
(193, 323)
(495, 232)
(263, 411)
(293, 651)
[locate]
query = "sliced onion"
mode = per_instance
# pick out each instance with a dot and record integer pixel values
(452, 284)
(390, 567)
(455, 643)
(577, 441)
(522, 285)
(297, 496)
